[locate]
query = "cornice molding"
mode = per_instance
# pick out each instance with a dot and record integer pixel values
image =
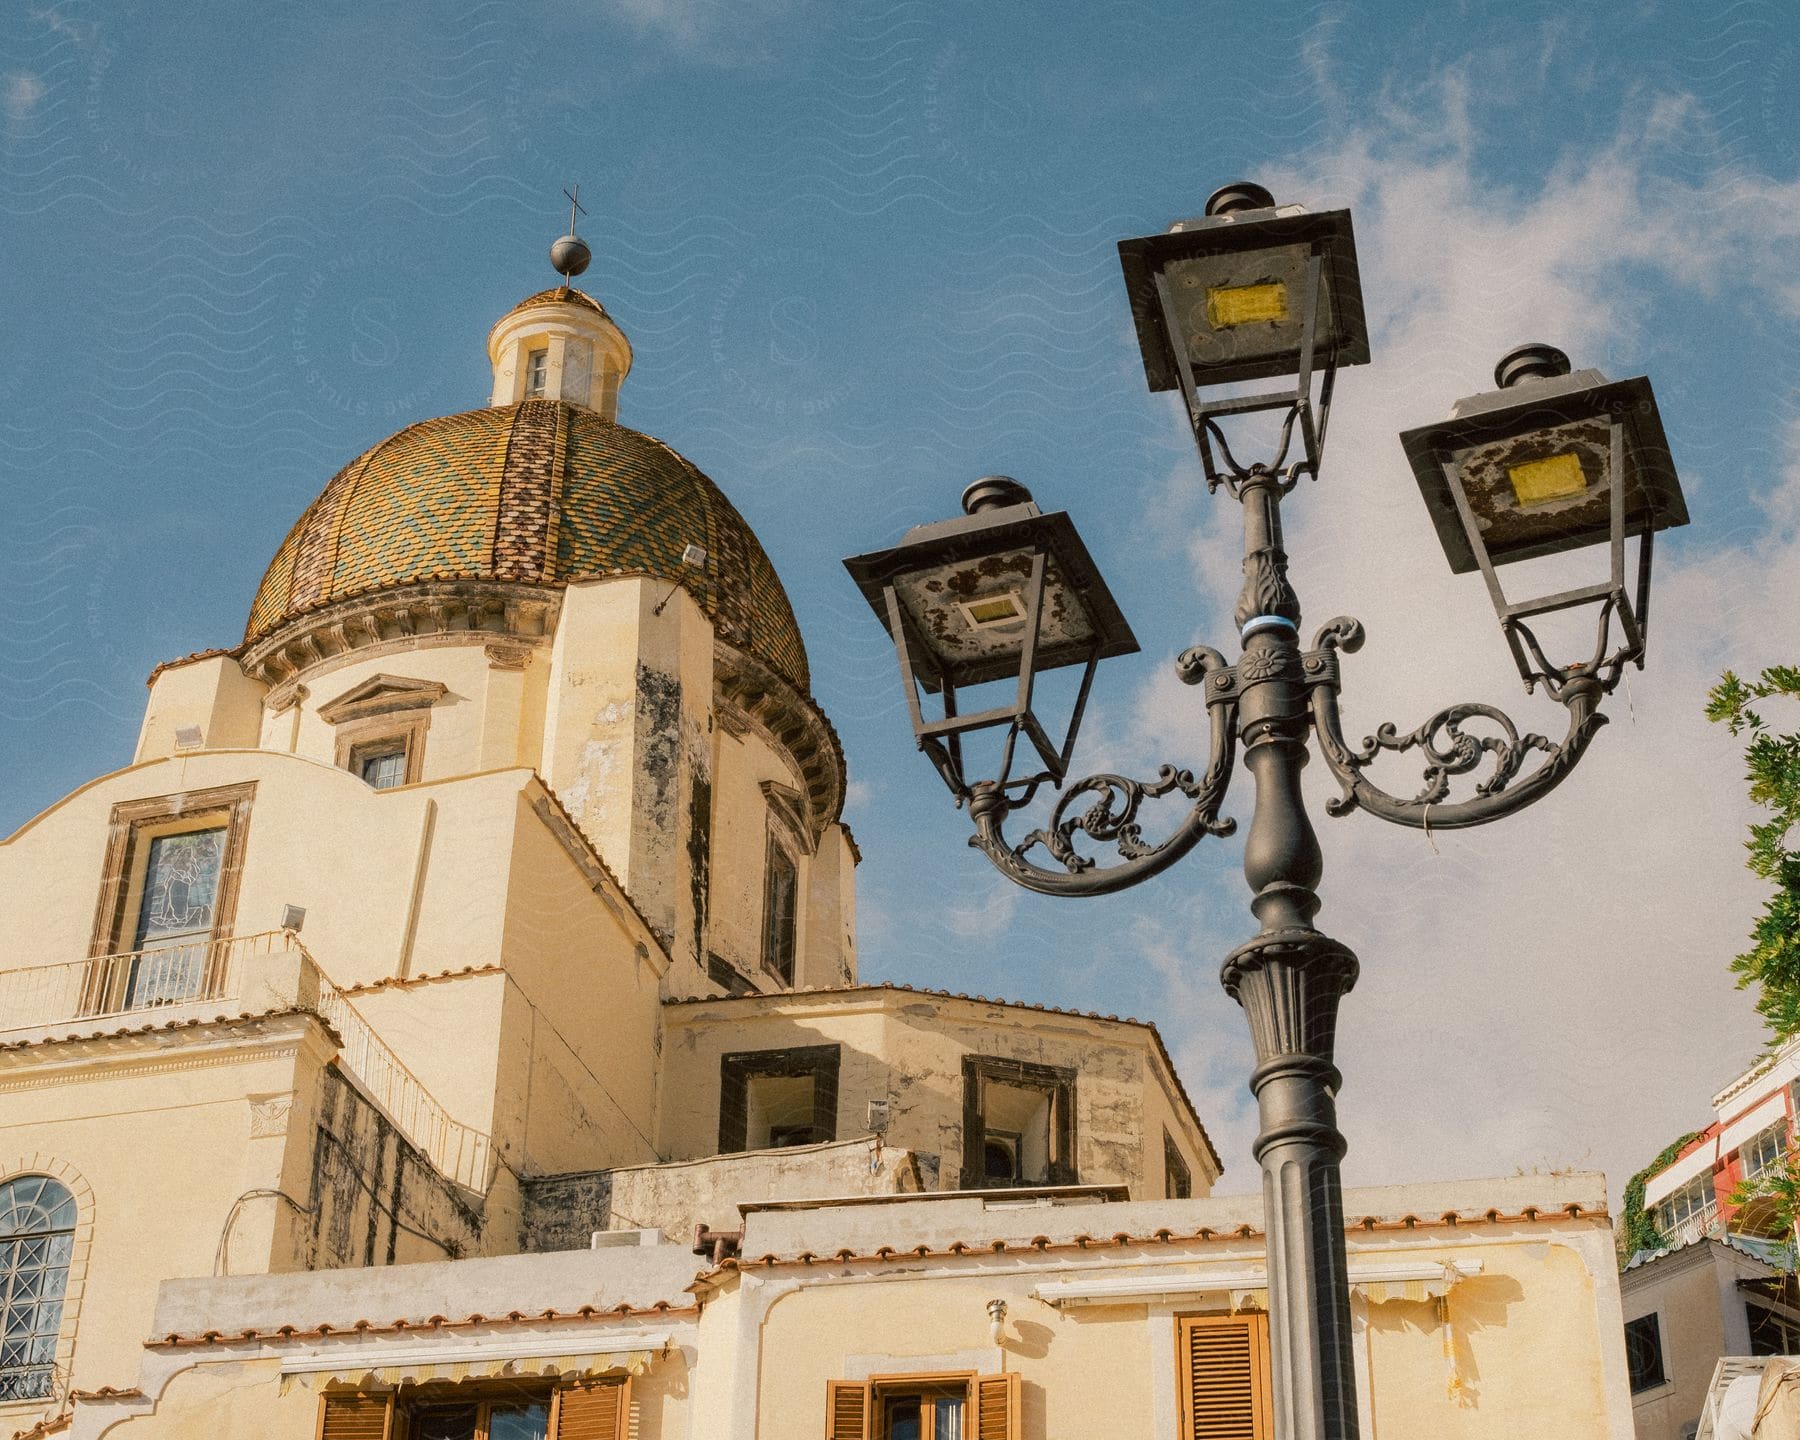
(750, 696)
(406, 618)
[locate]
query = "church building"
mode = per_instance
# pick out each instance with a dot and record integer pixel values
(447, 1026)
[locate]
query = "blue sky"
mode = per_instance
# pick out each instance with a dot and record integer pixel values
(864, 253)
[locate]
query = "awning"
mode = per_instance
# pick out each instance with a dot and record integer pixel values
(1697, 1162)
(1746, 1127)
(389, 1365)
(1376, 1281)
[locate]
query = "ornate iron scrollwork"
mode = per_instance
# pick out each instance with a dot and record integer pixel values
(1105, 808)
(1450, 750)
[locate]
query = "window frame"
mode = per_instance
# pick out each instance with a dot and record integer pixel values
(780, 943)
(66, 1291)
(409, 1409)
(533, 358)
(1662, 1368)
(400, 744)
(1754, 1148)
(738, 1068)
(1259, 1376)
(1707, 1210)
(383, 711)
(131, 827)
(992, 1404)
(399, 1405)
(1057, 1080)
(1178, 1177)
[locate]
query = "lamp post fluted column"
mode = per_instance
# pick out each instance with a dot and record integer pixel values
(1289, 979)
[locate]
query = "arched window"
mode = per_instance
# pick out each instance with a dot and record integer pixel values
(37, 1237)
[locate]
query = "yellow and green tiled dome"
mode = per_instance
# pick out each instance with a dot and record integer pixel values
(541, 493)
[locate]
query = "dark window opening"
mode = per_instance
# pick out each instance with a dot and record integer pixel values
(728, 977)
(781, 889)
(1018, 1124)
(1771, 1333)
(772, 1099)
(1000, 1152)
(1643, 1353)
(1178, 1181)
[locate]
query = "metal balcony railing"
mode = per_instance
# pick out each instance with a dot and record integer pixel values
(244, 974)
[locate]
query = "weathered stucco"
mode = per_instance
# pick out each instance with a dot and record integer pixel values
(908, 1047)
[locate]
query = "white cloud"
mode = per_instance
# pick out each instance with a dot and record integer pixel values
(985, 915)
(721, 32)
(23, 91)
(1551, 989)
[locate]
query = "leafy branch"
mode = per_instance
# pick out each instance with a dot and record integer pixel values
(1772, 766)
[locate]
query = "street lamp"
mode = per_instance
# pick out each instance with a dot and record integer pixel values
(1551, 462)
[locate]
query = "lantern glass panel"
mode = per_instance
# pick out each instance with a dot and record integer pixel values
(1547, 488)
(969, 616)
(1242, 308)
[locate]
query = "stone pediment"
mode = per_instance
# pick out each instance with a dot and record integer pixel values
(790, 805)
(381, 695)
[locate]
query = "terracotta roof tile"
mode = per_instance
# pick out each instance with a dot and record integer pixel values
(623, 1310)
(887, 1253)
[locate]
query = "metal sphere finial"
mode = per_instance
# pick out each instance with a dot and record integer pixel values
(570, 255)
(1239, 195)
(1534, 361)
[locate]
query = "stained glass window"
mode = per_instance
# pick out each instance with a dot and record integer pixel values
(37, 1236)
(181, 883)
(181, 889)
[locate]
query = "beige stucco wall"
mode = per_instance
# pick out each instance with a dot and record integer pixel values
(156, 1141)
(318, 837)
(908, 1047)
(1528, 1350)
(625, 732)
(1700, 1316)
(678, 1197)
(1533, 1324)
(213, 695)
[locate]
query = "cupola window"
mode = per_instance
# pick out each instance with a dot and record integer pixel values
(382, 766)
(1018, 1123)
(537, 374)
(774, 1099)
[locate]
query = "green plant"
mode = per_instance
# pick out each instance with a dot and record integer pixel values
(1772, 763)
(1637, 1231)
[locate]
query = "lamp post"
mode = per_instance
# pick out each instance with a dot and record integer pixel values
(1550, 462)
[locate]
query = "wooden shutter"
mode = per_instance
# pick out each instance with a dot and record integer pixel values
(997, 1407)
(356, 1417)
(847, 1406)
(593, 1410)
(1224, 1364)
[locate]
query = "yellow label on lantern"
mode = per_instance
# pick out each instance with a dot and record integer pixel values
(1227, 306)
(1537, 482)
(994, 610)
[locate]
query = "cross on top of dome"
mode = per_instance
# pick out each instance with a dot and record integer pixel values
(570, 255)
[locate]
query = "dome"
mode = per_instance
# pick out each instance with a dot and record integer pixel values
(542, 492)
